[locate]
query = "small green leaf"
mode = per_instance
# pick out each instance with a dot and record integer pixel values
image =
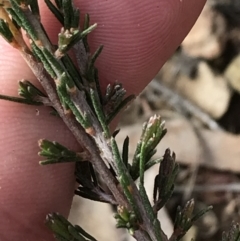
(30, 92)
(55, 11)
(99, 112)
(125, 151)
(164, 181)
(59, 225)
(66, 40)
(233, 234)
(19, 100)
(22, 20)
(123, 104)
(34, 7)
(184, 219)
(5, 31)
(64, 230)
(56, 153)
(85, 38)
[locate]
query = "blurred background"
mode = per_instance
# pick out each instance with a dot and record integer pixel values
(197, 93)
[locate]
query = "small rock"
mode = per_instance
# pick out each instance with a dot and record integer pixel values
(208, 91)
(208, 36)
(232, 73)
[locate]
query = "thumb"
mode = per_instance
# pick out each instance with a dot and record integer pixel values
(138, 36)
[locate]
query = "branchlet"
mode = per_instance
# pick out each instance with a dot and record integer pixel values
(72, 90)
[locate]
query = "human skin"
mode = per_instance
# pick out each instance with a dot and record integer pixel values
(139, 36)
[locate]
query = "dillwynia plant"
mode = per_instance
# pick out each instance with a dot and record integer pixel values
(73, 93)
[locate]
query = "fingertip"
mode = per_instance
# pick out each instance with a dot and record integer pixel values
(138, 37)
(30, 191)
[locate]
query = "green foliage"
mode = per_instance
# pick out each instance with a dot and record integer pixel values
(185, 219)
(164, 181)
(233, 234)
(64, 230)
(56, 153)
(73, 91)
